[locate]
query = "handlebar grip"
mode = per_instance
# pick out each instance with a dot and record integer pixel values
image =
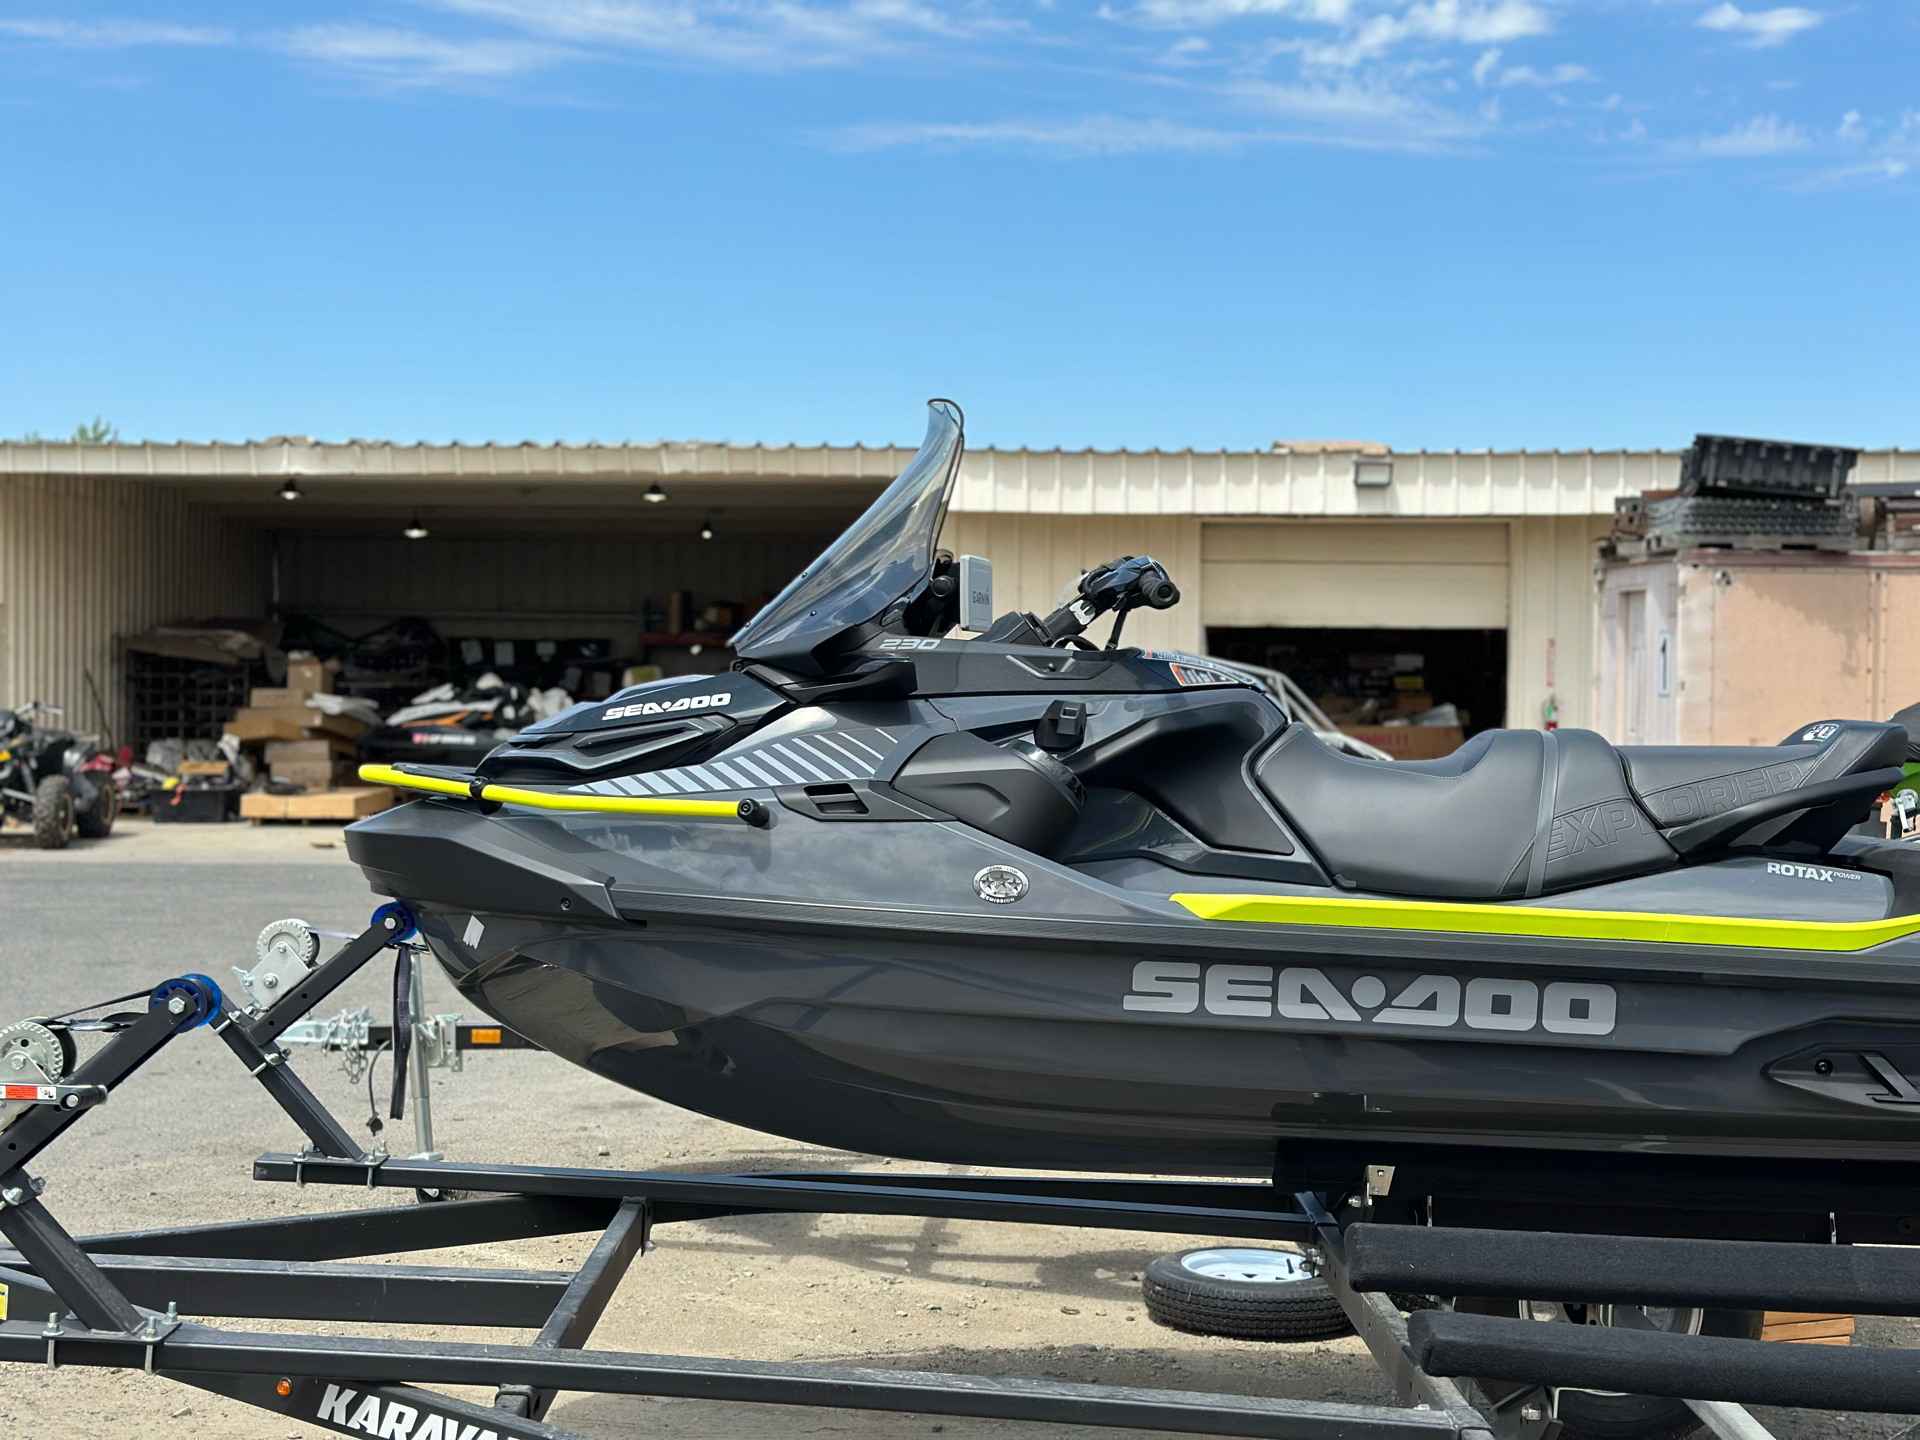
(1160, 594)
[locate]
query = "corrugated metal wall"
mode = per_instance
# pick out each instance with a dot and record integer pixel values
(531, 585)
(1550, 632)
(1036, 559)
(84, 561)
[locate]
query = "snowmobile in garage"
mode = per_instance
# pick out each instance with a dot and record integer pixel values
(1026, 896)
(59, 783)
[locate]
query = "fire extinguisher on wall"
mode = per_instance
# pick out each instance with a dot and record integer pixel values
(1550, 711)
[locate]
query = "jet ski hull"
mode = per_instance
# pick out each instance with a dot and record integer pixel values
(1087, 1027)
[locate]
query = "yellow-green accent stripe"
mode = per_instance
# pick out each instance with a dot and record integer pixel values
(549, 800)
(1552, 924)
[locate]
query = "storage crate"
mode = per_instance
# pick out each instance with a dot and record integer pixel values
(194, 805)
(1729, 465)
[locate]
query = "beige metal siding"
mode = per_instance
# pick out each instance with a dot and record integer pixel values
(1425, 485)
(1381, 575)
(85, 561)
(1550, 628)
(1036, 559)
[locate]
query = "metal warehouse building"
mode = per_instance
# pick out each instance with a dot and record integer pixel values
(1481, 563)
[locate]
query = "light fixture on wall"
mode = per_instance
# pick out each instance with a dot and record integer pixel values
(654, 494)
(1373, 474)
(706, 529)
(415, 530)
(290, 489)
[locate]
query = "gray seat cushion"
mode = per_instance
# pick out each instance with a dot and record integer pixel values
(1466, 827)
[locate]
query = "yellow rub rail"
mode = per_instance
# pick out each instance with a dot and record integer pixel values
(1548, 923)
(748, 810)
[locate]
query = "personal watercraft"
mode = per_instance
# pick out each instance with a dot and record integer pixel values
(1014, 897)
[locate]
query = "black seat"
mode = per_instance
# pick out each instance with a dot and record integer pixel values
(1511, 813)
(1800, 795)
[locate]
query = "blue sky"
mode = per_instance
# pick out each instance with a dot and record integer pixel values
(1436, 223)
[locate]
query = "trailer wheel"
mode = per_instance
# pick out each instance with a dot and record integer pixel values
(1244, 1294)
(97, 823)
(53, 813)
(1605, 1414)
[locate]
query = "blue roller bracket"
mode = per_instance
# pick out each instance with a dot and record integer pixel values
(407, 931)
(200, 993)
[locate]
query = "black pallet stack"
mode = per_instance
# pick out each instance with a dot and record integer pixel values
(1749, 495)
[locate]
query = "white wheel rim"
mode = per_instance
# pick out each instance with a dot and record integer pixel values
(1253, 1267)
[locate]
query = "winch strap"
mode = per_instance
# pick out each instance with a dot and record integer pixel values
(1543, 822)
(402, 1030)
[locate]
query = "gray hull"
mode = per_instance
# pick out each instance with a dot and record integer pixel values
(1097, 1025)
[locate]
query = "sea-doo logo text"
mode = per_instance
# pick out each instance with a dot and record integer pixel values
(393, 1421)
(1810, 872)
(667, 707)
(1563, 1007)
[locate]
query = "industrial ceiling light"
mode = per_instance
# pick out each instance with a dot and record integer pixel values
(654, 494)
(291, 489)
(706, 530)
(415, 530)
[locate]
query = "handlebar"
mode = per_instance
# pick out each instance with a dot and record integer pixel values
(1122, 586)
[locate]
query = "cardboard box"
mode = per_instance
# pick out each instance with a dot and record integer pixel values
(348, 803)
(314, 774)
(254, 723)
(1410, 742)
(277, 697)
(203, 767)
(320, 749)
(311, 676)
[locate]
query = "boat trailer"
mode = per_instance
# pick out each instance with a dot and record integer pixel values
(134, 1300)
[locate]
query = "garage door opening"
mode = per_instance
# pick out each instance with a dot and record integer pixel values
(1372, 681)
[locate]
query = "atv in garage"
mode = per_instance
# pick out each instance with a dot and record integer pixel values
(58, 782)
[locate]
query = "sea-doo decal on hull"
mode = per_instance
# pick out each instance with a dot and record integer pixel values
(668, 707)
(1440, 1002)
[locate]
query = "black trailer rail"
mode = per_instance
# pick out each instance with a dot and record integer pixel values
(138, 1299)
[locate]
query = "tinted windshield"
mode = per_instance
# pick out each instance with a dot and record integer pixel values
(883, 555)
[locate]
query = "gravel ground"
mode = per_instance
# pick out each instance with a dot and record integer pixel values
(175, 1146)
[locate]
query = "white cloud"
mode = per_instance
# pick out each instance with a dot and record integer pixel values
(1544, 79)
(1441, 21)
(1762, 135)
(1760, 28)
(1850, 126)
(1485, 66)
(114, 34)
(754, 34)
(409, 57)
(1086, 135)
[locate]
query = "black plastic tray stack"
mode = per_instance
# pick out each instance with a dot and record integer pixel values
(1752, 495)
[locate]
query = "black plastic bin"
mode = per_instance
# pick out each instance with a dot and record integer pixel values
(195, 805)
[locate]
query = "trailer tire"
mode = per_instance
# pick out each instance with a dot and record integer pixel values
(1592, 1415)
(53, 813)
(1242, 1294)
(97, 822)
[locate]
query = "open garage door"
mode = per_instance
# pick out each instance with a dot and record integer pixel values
(1398, 629)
